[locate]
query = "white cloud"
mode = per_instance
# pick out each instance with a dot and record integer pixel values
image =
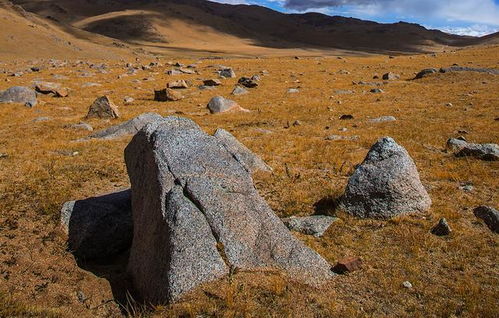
(474, 11)
(472, 30)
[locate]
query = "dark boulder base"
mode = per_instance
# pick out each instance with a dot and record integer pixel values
(98, 227)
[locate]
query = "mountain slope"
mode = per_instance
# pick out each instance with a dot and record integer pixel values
(198, 25)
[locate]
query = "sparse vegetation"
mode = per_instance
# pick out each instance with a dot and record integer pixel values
(455, 275)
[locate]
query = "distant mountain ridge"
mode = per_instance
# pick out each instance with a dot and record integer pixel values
(215, 27)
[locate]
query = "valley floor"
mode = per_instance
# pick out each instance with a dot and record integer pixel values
(45, 165)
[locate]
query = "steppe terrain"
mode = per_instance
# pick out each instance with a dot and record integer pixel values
(44, 162)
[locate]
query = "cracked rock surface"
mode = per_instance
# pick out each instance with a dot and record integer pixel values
(197, 214)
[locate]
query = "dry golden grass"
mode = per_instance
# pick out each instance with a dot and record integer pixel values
(452, 276)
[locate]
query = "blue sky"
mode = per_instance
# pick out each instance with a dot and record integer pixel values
(471, 17)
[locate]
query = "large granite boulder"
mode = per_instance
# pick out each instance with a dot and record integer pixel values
(98, 227)
(129, 127)
(19, 94)
(246, 157)
(197, 214)
(386, 184)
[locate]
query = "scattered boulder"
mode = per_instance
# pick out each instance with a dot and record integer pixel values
(212, 82)
(167, 95)
(80, 126)
(390, 76)
(469, 69)
(238, 90)
(51, 88)
(315, 225)
(248, 82)
(347, 264)
(130, 127)
(343, 92)
(197, 214)
(98, 227)
(383, 119)
(346, 117)
(456, 143)
(489, 215)
(19, 94)
(339, 137)
(487, 152)
(173, 72)
(442, 228)
(227, 72)
(178, 84)
(219, 104)
(386, 184)
(246, 157)
(425, 72)
(103, 107)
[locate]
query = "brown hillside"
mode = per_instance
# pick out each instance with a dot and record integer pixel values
(198, 25)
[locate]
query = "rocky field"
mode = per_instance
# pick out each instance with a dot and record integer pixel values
(312, 120)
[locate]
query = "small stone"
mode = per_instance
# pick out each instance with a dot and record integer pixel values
(167, 95)
(442, 228)
(178, 84)
(103, 107)
(407, 284)
(227, 72)
(297, 123)
(348, 264)
(391, 76)
(212, 82)
(376, 91)
(425, 72)
(128, 100)
(238, 90)
(346, 117)
(383, 119)
(80, 126)
(248, 82)
(219, 104)
(449, 105)
(489, 215)
(293, 90)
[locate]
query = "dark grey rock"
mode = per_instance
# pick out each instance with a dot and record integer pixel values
(246, 157)
(314, 225)
(129, 127)
(489, 215)
(425, 72)
(238, 90)
(469, 69)
(442, 228)
(248, 82)
(98, 227)
(227, 72)
(19, 94)
(487, 152)
(197, 214)
(386, 184)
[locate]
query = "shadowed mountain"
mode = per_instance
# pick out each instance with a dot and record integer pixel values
(199, 25)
